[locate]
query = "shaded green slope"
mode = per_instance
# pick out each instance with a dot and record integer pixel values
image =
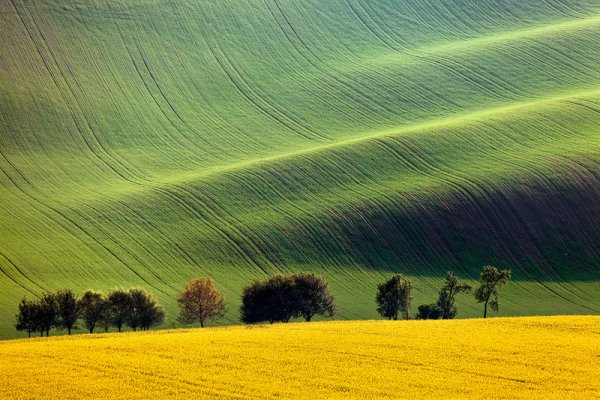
(146, 142)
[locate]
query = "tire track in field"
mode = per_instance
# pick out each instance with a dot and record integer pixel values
(266, 107)
(238, 244)
(75, 120)
(149, 91)
(21, 273)
(368, 27)
(322, 67)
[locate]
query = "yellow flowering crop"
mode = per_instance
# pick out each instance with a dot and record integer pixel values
(537, 357)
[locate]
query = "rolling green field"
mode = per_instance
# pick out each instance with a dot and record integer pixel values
(146, 142)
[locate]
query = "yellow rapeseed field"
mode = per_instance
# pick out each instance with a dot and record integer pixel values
(538, 357)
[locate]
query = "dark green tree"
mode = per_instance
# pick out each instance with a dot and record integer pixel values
(48, 312)
(93, 309)
(446, 300)
(394, 296)
(488, 292)
(28, 316)
(119, 307)
(272, 300)
(312, 296)
(154, 316)
(67, 310)
(144, 311)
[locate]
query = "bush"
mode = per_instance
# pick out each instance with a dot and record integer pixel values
(429, 311)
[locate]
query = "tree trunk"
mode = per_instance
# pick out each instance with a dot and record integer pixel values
(485, 308)
(47, 332)
(201, 323)
(69, 330)
(29, 335)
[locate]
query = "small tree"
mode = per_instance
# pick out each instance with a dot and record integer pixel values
(491, 281)
(394, 296)
(28, 316)
(200, 302)
(93, 309)
(155, 315)
(67, 310)
(119, 308)
(312, 296)
(144, 311)
(449, 291)
(47, 316)
(139, 303)
(429, 311)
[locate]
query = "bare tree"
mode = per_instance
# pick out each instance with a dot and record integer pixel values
(200, 302)
(491, 281)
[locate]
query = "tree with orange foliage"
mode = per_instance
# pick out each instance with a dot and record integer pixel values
(200, 302)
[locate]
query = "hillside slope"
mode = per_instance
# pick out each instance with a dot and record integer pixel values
(144, 142)
(503, 358)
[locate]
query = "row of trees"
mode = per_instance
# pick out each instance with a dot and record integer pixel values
(64, 309)
(276, 299)
(394, 296)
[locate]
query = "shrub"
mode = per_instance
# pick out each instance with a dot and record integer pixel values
(429, 311)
